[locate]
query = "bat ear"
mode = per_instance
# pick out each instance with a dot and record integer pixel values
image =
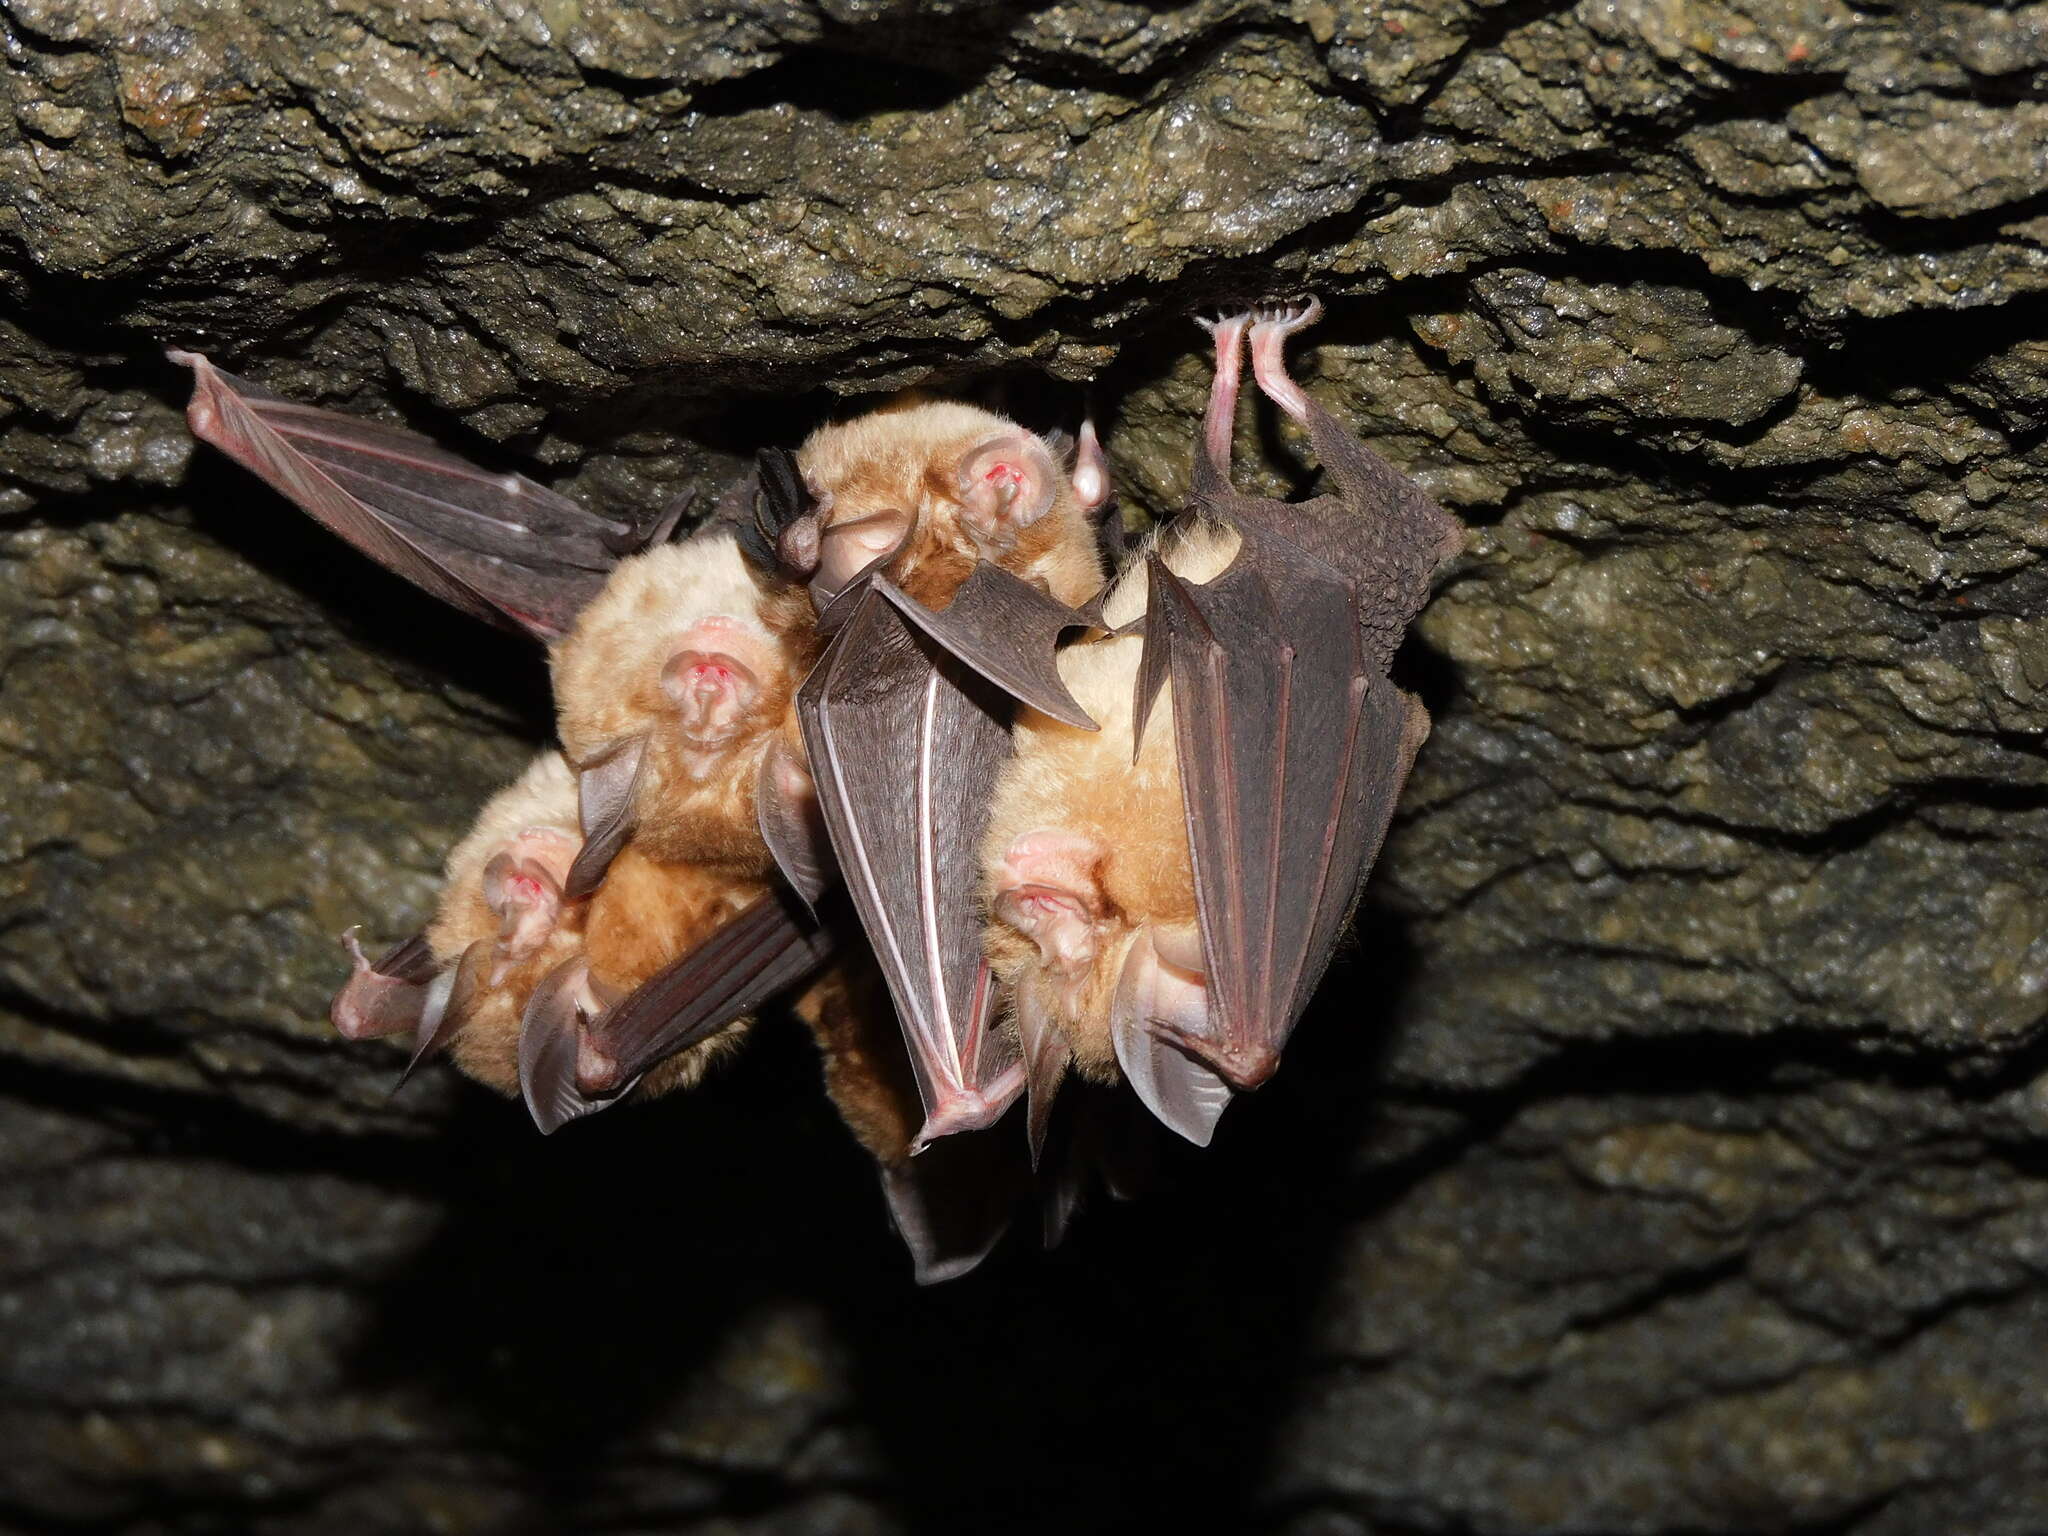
(1007, 483)
(848, 546)
(1046, 1058)
(607, 788)
(1158, 992)
(449, 1000)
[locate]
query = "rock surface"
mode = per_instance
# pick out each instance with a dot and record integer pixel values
(1667, 1158)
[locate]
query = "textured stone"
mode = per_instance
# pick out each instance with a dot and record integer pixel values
(1665, 1158)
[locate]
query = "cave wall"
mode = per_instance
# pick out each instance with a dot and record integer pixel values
(1665, 1157)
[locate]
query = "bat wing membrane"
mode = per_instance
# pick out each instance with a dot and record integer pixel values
(498, 547)
(768, 947)
(1276, 739)
(905, 744)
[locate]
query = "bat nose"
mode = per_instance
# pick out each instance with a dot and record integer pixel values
(711, 690)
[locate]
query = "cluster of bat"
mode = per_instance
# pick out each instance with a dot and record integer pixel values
(1112, 823)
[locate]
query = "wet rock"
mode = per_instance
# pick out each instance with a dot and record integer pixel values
(1664, 1158)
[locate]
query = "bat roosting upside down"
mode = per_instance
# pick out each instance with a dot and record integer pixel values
(829, 746)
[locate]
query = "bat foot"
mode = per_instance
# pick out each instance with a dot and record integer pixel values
(1219, 420)
(1270, 329)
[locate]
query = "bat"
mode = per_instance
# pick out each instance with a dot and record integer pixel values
(513, 553)
(1161, 905)
(945, 548)
(934, 488)
(506, 943)
(839, 711)
(671, 689)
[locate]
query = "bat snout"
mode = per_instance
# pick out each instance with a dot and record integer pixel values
(713, 692)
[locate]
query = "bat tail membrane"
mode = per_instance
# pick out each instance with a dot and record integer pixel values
(499, 547)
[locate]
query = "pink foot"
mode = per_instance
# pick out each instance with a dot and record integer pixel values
(1270, 330)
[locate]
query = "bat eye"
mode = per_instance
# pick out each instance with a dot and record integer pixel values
(851, 546)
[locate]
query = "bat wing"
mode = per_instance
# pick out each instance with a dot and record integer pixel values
(607, 791)
(953, 1202)
(786, 810)
(1291, 756)
(1005, 629)
(388, 997)
(572, 1065)
(904, 744)
(499, 547)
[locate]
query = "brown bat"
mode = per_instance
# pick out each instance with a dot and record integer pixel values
(671, 690)
(506, 942)
(951, 1202)
(934, 488)
(1165, 905)
(943, 546)
(674, 684)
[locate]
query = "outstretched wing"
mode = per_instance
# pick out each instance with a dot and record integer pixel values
(496, 546)
(905, 743)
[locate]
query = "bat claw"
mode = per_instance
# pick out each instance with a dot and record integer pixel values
(1269, 336)
(1289, 317)
(969, 1109)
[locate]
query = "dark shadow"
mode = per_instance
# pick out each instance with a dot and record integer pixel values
(1138, 1377)
(1138, 1373)
(580, 1282)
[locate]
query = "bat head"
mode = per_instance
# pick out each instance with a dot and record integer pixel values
(1075, 935)
(925, 489)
